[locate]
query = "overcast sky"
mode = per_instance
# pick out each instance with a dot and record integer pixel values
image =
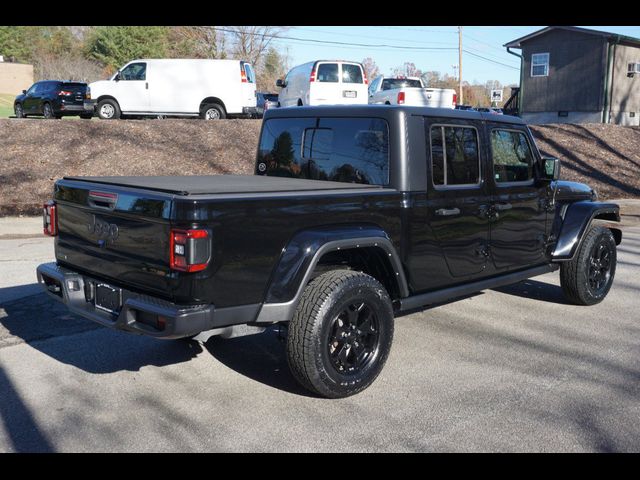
(430, 48)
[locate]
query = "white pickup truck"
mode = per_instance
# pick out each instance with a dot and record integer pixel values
(409, 91)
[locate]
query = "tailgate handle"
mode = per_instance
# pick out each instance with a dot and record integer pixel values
(103, 200)
(445, 212)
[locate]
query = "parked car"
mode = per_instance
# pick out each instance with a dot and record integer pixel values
(210, 89)
(357, 221)
(265, 101)
(55, 99)
(409, 91)
(464, 107)
(324, 82)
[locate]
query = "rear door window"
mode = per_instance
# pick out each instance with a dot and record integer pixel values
(351, 150)
(455, 158)
(351, 73)
(327, 72)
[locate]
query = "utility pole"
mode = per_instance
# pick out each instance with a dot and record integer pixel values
(461, 99)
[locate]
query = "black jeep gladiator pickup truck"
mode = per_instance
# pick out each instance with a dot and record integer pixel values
(354, 214)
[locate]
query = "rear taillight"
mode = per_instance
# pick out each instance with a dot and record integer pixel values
(64, 93)
(50, 218)
(88, 94)
(364, 75)
(455, 100)
(190, 250)
(243, 74)
(312, 77)
(400, 98)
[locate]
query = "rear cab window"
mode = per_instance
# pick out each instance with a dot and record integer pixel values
(392, 83)
(350, 150)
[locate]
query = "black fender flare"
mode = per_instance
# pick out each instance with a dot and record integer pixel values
(577, 218)
(299, 258)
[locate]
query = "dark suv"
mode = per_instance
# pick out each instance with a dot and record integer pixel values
(55, 99)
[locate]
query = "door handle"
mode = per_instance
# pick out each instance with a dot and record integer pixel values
(445, 212)
(146, 85)
(503, 206)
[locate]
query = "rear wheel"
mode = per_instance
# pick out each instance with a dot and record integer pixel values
(108, 109)
(212, 111)
(19, 111)
(47, 111)
(587, 278)
(341, 333)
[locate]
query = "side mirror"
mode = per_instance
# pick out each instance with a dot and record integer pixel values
(24, 92)
(117, 77)
(551, 168)
(281, 83)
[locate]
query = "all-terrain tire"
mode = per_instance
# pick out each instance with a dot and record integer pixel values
(587, 278)
(321, 344)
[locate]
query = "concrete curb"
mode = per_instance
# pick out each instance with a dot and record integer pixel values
(26, 227)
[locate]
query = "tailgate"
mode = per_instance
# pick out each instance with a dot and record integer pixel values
(73, 93)
(117, 234)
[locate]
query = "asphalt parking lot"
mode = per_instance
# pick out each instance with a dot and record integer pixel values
(512, 369)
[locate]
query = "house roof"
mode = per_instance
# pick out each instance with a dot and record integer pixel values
(517, 43)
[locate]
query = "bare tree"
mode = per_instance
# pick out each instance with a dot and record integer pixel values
(408, 69)
(48, 66)
(250, 43)
(199, 42)
(371, 69)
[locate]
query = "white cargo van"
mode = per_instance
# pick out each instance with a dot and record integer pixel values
(211, 89)
(324, 82)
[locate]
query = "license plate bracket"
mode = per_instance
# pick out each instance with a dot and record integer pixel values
(349, 93)
(108, 298)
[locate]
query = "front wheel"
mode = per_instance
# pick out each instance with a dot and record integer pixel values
(587, 278)
(19, 111)
(108, 109)
(341, 333)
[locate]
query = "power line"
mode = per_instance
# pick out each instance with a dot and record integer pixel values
(494, 57)
(483, 42)
(489, 60)
(330, 42)
(418, 29)
(371, 36)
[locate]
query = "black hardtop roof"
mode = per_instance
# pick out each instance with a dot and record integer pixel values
(386, 111)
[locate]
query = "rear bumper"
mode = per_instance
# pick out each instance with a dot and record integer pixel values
(139, 313)
(251, 111)
(87, 107)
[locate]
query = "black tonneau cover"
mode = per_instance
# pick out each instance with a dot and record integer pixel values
(211, 184)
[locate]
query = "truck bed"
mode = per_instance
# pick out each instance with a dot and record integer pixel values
(215, 184)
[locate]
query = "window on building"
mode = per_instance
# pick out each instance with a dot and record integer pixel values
(540, 65)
